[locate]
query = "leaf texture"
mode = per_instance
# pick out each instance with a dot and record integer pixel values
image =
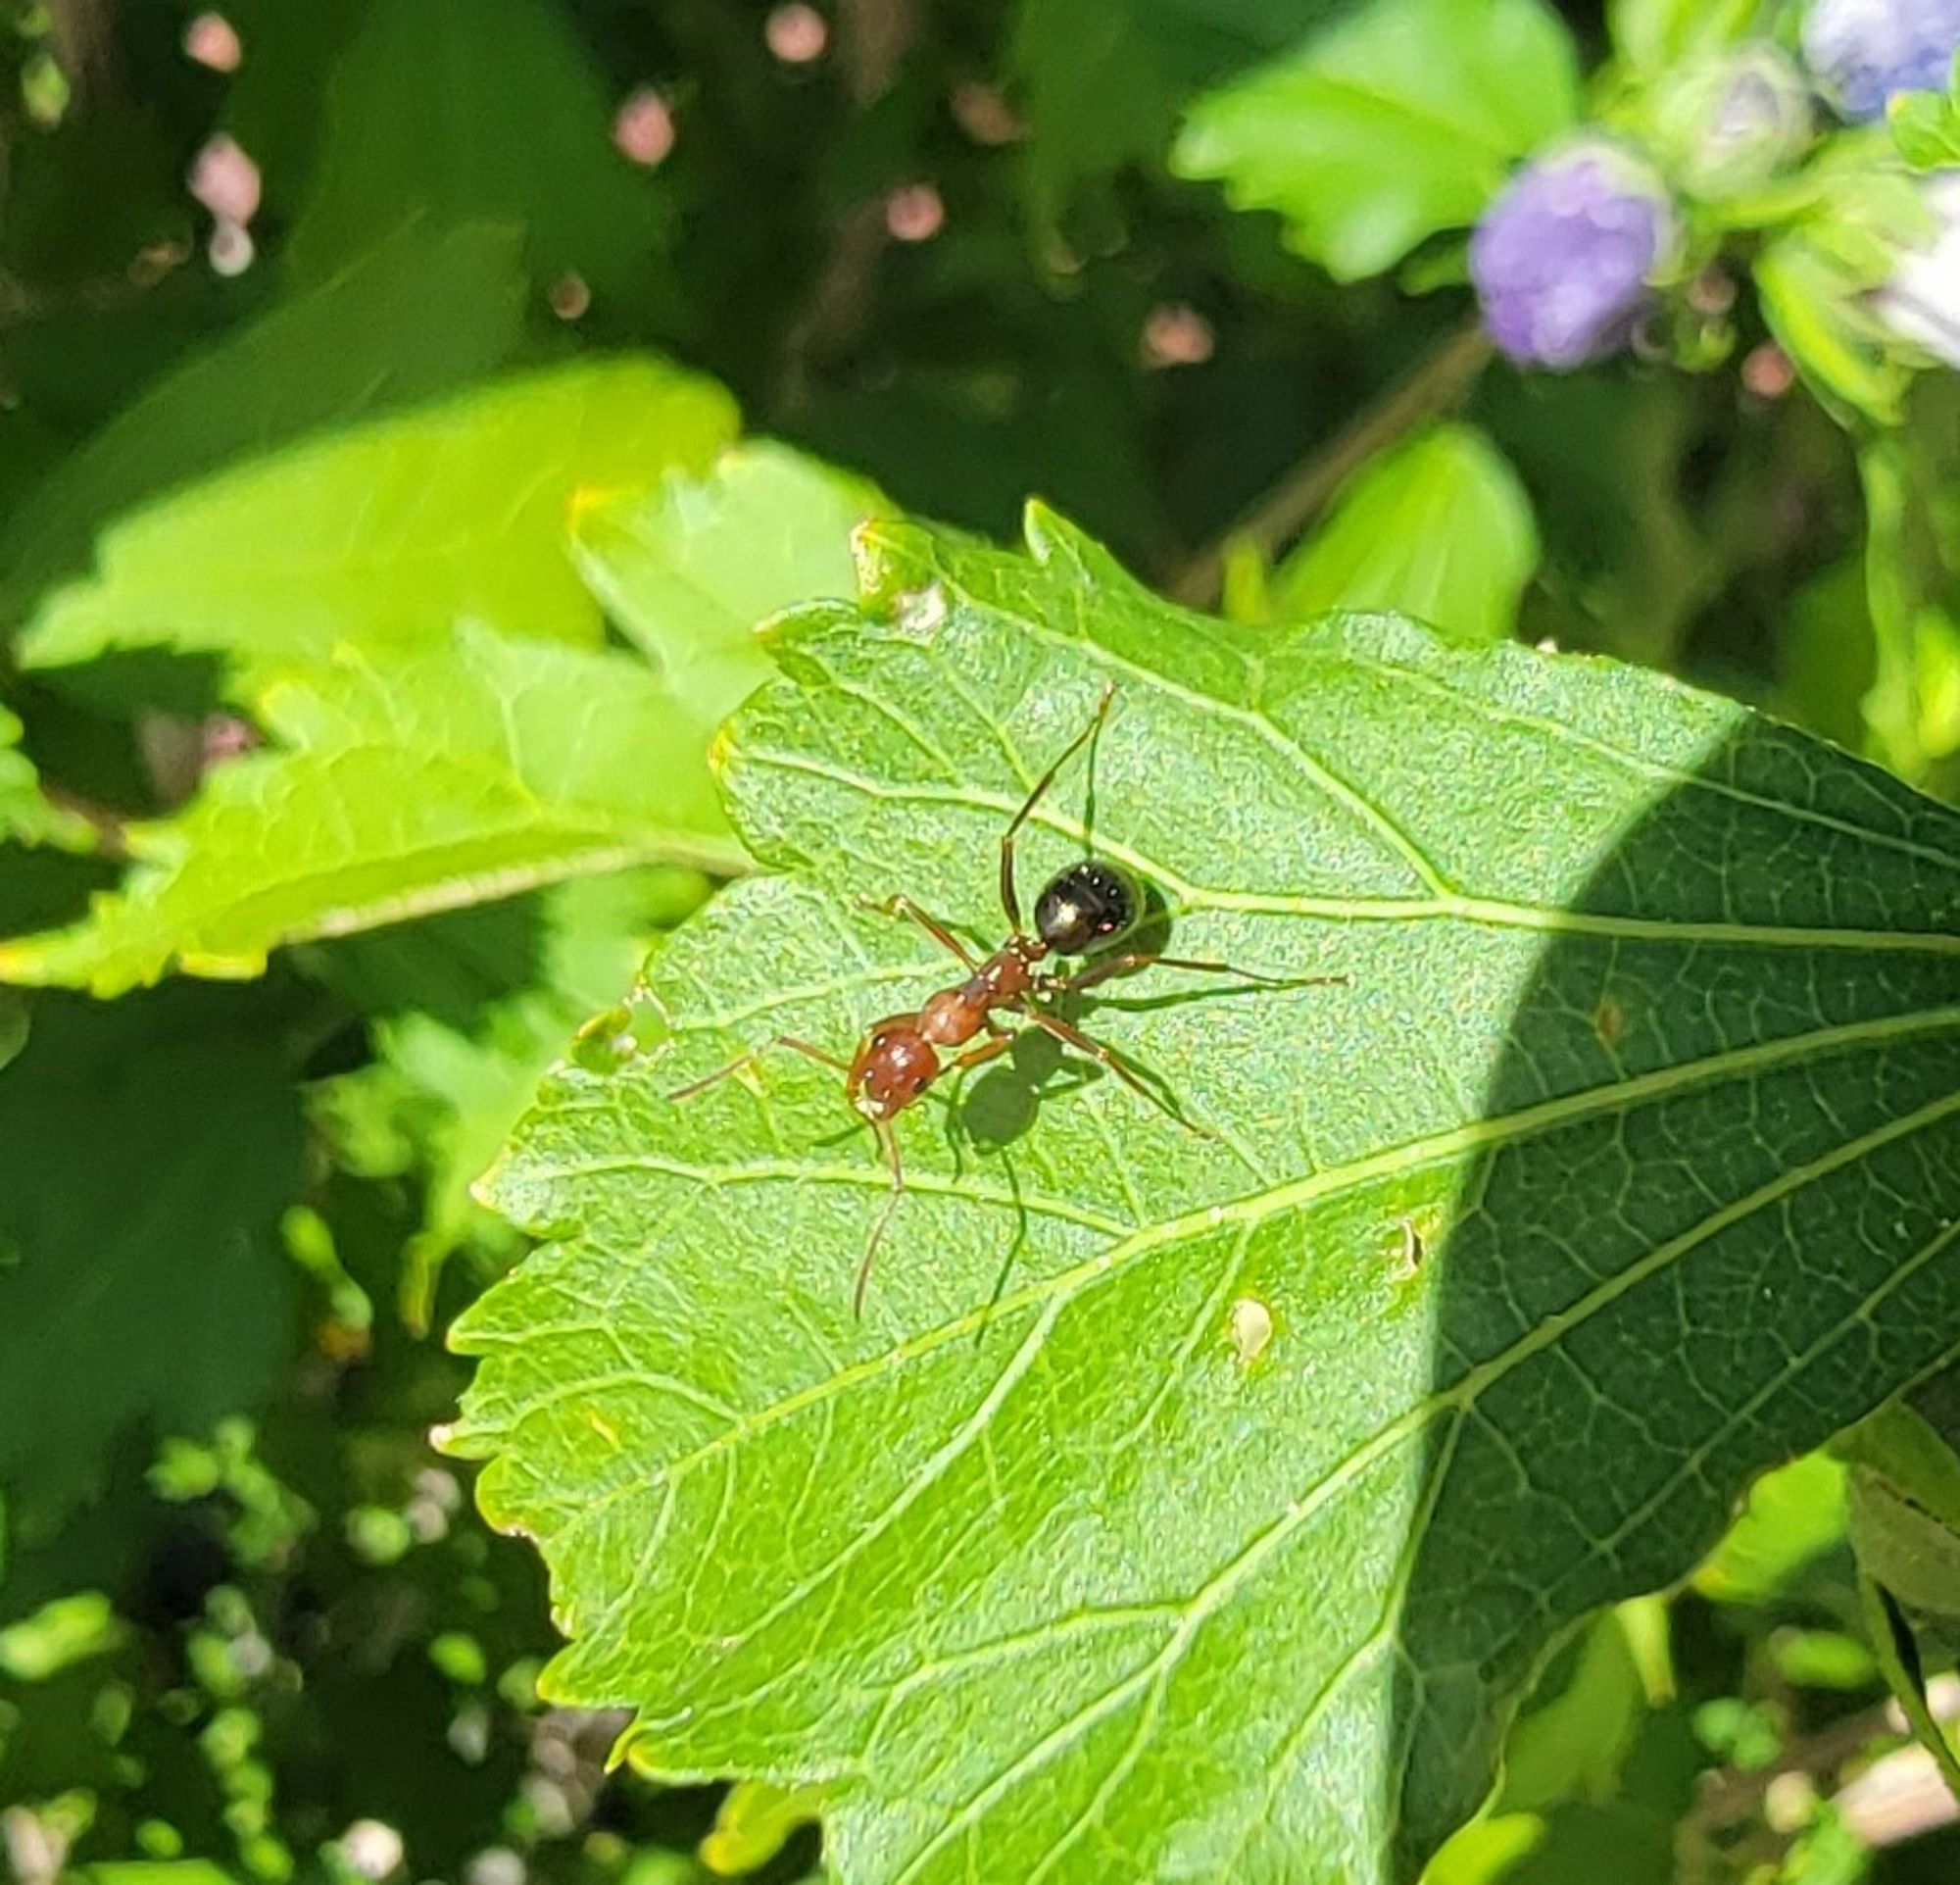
(1199, 1507)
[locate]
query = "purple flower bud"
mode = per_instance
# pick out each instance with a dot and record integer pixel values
(1863, 51)
(1730, 122)
(1561, 260)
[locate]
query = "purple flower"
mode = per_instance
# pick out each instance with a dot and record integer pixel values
(1561, 260)
(1863, 51)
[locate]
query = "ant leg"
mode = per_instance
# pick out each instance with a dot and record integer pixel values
(904, 906)
(888, 1143)
(1137, 960)
(988, 1049)
(1010, 899)
(741, 1061)
(1072, 1036)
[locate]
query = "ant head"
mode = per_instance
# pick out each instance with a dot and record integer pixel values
(1089, 904)
(895, 1065)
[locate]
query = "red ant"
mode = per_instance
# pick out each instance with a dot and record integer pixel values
(1091, 904)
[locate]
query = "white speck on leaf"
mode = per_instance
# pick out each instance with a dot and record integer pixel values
(1251, 1329)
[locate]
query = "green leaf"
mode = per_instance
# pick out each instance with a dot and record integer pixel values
(441, 1098)
(1575, 1743)
(412, 317)
(521, 135)
(1793, 1517)
(1653, 36)
(1390, 127)
(1904, 1507)
(449, 776)
(1440, 529)
(394, 532)
(1912, 584)
(146, 1151)
(1201, 1506)
(688, 569)
(1926, 127)
(27, 814)
(1103, 81)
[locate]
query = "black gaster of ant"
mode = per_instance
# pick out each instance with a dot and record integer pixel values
(1090, 904)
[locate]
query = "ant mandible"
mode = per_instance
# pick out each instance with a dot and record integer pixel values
(1091, 904)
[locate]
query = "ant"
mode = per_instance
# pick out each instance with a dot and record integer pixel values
(1091, 905)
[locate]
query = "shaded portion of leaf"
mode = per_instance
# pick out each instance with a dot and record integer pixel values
(146, 1151)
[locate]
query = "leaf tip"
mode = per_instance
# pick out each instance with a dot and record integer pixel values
(891, 557)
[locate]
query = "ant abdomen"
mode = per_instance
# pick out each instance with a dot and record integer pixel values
(1088, 905)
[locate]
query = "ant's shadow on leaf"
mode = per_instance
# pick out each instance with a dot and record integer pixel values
(998, 1107)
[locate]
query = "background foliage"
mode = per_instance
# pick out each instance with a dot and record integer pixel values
(408, 413)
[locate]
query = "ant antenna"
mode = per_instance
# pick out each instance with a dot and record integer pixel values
(1010, 899)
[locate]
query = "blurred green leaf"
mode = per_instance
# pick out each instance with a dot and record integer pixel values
(1652, 35)
(1440, 529)
(441, 1098)
(450, 776)
(1555, 1239)
(393, 533)
(488, 110)
(1912, 579)
(26, 813)
(1390, 127)
(1486, 1851)
(1926, 127)
(1574, 1744)
(66, 1631)
(170, 1872)
(411, 316)
(146, 1151)
(1822, 1660)
(1825, 655)
(754, 1822)
(1793, 1515)
(1103, 80)
(688, 569)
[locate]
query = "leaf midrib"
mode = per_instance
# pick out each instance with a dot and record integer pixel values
(1478, 1135)
(1447, 905)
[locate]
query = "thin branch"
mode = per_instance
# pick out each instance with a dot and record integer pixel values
(1438, 382)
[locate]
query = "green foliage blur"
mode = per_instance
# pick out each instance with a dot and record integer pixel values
(407, 409)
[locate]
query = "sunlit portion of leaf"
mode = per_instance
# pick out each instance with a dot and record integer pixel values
(450, 776)
(1440, 529)
(393, 533)
(1388, 127)
(688, 568)
(1625, 1164)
